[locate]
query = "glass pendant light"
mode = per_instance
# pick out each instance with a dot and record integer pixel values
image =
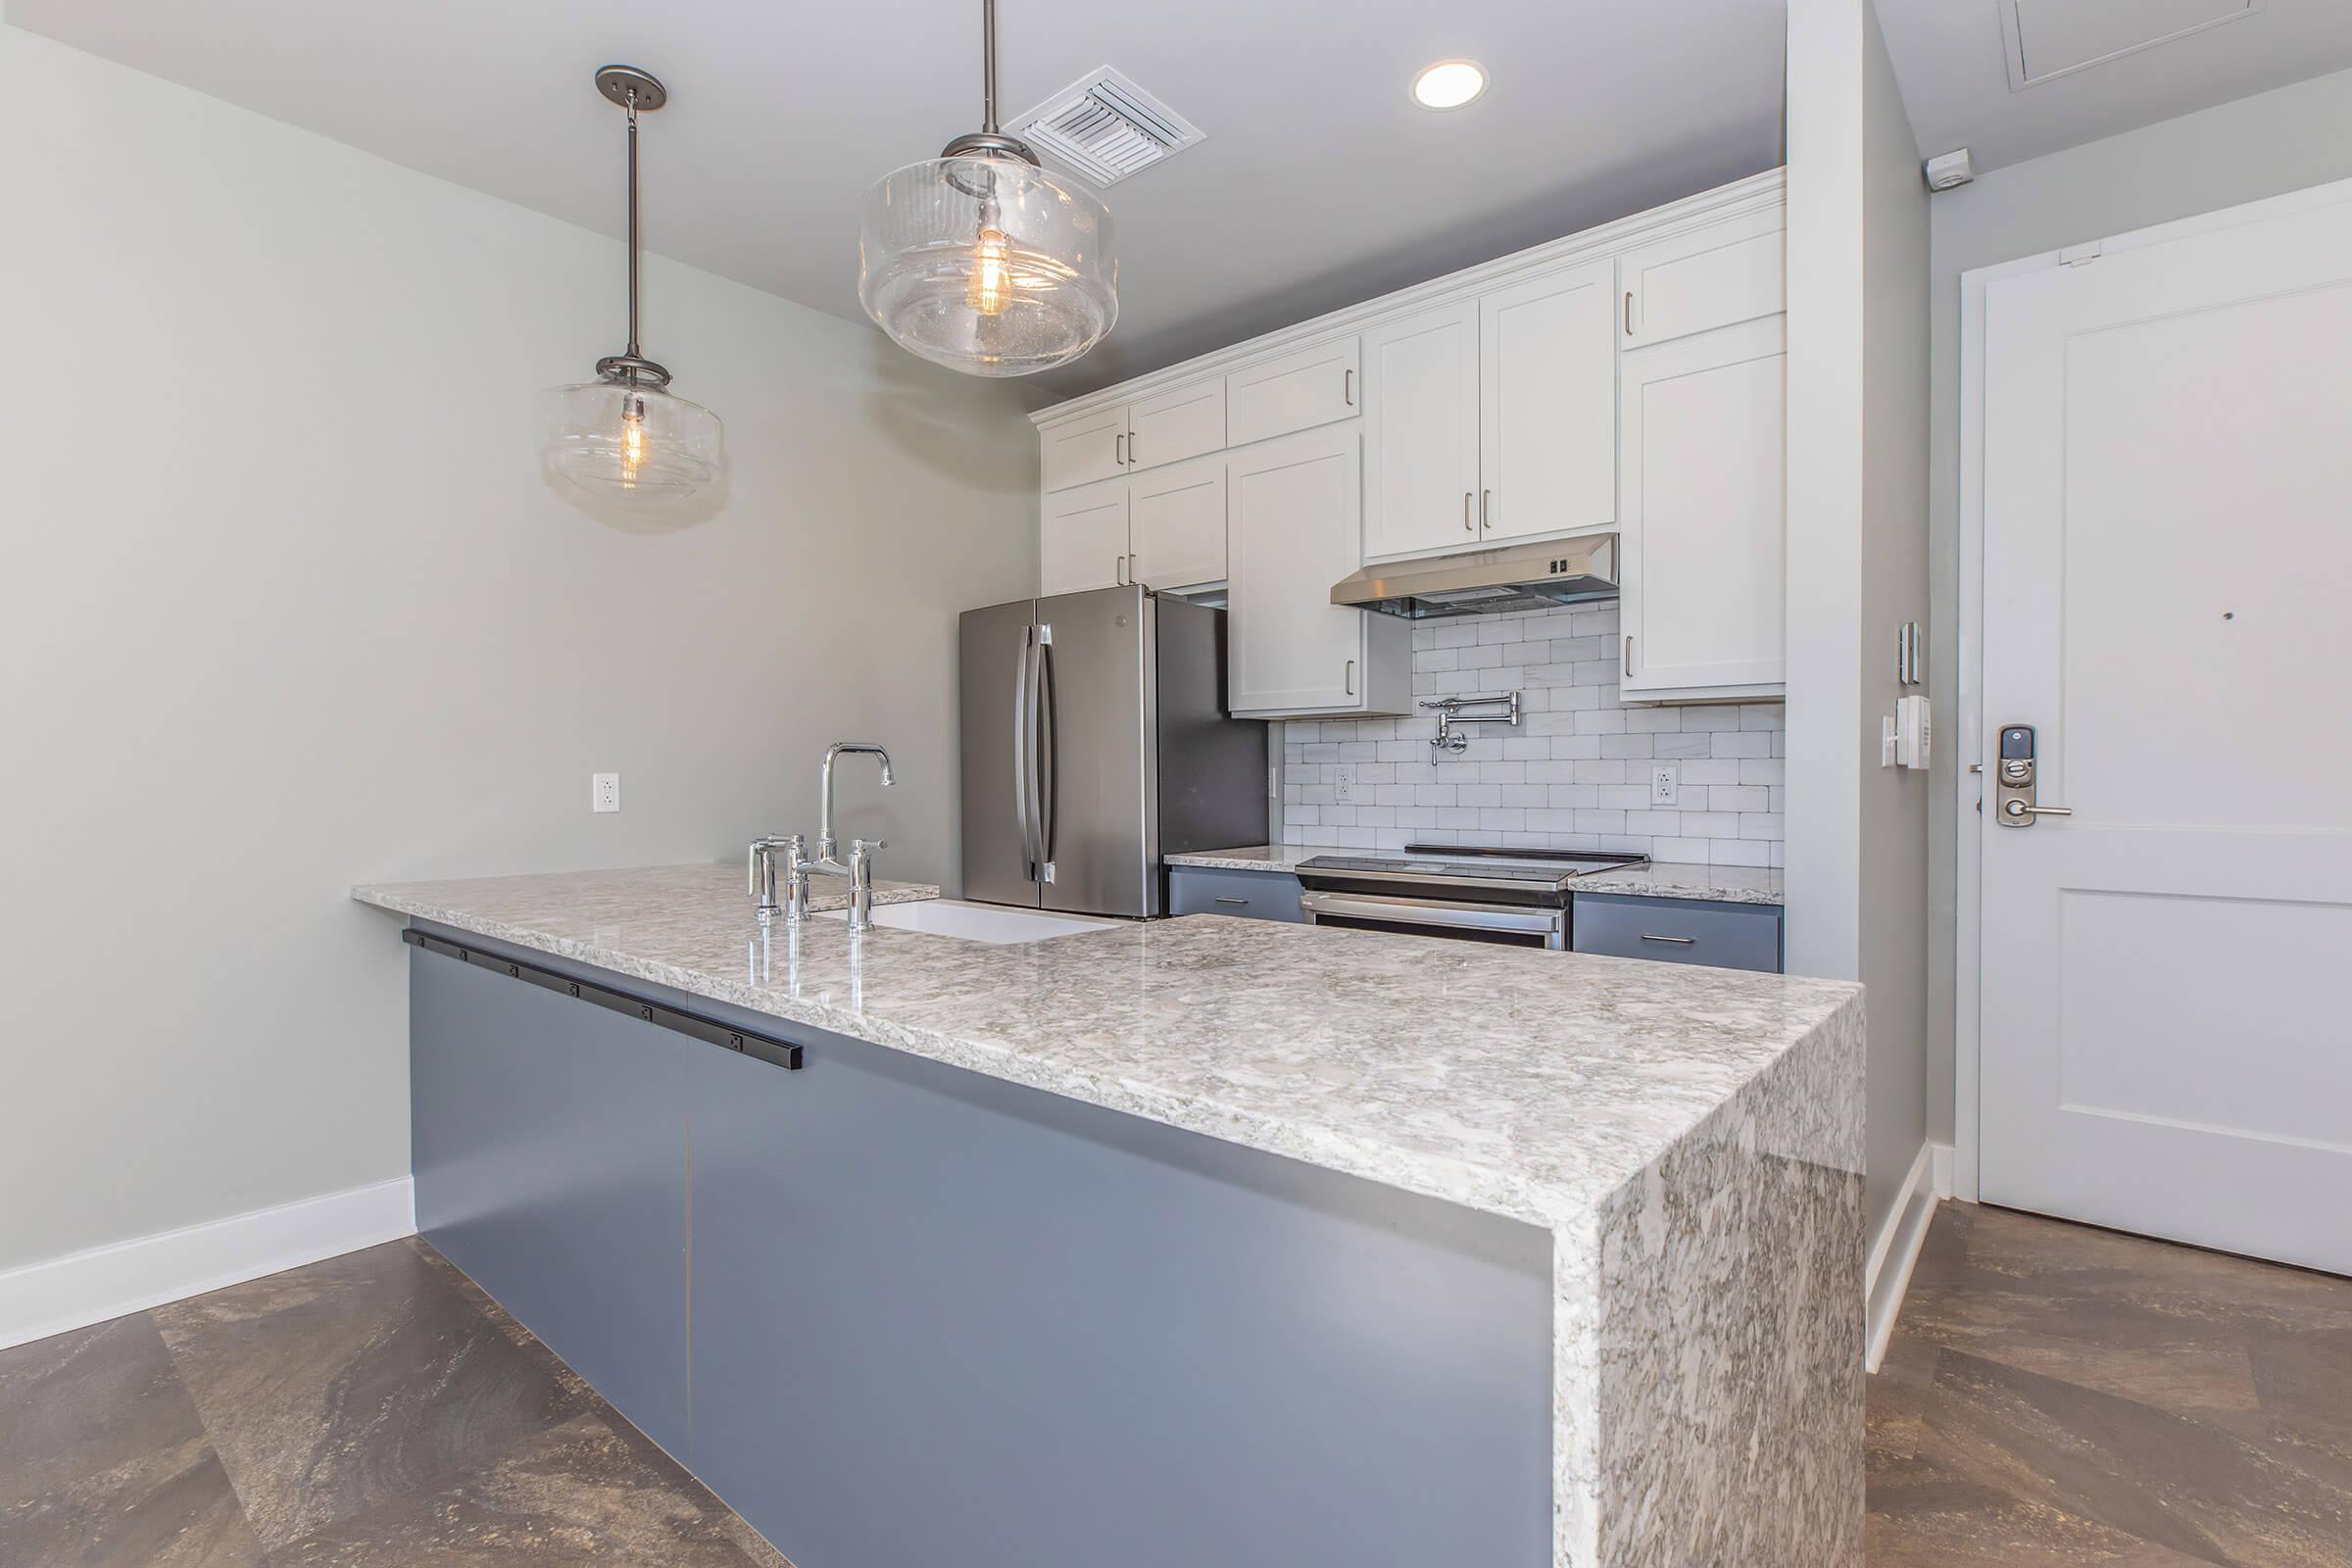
(980, 261)
(623, 439)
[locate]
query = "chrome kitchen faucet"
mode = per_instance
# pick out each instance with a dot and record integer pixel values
(858, 871)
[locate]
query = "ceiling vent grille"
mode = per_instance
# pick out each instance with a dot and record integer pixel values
(1104, 127)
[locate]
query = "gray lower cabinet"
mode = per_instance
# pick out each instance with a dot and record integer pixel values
(1725, 936)
(1249, 895)
(938, 1318)
(548, 1141)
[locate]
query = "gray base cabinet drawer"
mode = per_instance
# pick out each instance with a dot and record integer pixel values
(1725, 936)
(1250, 895)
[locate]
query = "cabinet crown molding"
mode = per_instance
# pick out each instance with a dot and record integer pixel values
(1757, 192)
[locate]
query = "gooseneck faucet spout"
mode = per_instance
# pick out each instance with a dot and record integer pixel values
(826, 842)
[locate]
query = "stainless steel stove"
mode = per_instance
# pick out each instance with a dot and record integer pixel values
(1510, 896)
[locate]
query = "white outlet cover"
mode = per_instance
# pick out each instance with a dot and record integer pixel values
(1887, 741)
(1343, 781)
(603, 792)
(1665, 784)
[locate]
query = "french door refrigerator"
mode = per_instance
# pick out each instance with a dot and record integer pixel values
(1094, 741)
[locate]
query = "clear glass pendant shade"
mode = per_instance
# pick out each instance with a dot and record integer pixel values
(989, 266)
(633, 446)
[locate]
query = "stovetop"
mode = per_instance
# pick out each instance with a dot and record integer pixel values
(1441, 863)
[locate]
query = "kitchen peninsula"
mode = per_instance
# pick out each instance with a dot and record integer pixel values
(1198, 1240)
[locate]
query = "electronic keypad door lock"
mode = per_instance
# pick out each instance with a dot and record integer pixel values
(2014, 777)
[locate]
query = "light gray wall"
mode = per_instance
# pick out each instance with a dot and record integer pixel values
(287, 607)
(1858, 251)
(2262, 146)
(1894, 922)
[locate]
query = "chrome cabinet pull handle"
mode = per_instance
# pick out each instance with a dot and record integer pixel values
(1629, 654)
(1352, 678)
(1227, 897)
(1468, 526)
(1485, 504)
(1347, 387)
(1679, 942)
(1628, 313)
(1118, 450)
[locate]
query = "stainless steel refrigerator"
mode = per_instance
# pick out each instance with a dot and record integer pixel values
(1094, 741)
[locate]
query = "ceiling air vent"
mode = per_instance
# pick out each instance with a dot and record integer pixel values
(1103, 129)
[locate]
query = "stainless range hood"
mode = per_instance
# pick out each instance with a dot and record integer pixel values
(1488, 582)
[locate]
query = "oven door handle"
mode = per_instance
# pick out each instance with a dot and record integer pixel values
(1547, 923)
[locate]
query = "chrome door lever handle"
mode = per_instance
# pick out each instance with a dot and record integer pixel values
(2018, 814)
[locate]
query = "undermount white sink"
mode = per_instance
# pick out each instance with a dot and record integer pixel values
(975, 922)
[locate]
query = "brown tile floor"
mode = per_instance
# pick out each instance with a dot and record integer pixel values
(2056, 1394)
(376, 1409)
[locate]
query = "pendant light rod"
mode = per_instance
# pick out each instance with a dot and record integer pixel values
(633, 350)
(988, 38)
(633, 90)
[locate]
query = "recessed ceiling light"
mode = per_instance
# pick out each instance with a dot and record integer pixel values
(1449, 85)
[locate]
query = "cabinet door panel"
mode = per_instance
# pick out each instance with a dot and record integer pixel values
(1719, 275)
(1313, 387)
(1082, 451)
(1547, 366)
(1082, 539)
(1175, 425)
(1704, 533)
(1421, 432)
(1296, 509)
(1176, 517)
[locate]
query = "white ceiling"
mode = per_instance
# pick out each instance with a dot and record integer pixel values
(1321, 183)
(1950, 59)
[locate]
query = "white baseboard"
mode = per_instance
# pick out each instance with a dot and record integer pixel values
(1896, 1246)
(79, 1289)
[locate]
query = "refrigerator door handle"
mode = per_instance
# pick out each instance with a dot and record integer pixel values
(1021, 749)
(1041, 698)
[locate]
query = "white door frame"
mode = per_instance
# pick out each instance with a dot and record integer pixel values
(1969, 693)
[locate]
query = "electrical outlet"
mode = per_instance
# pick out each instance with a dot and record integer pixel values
(603, 792)
(1343, 782)
(1887, 740)
(1665, 784)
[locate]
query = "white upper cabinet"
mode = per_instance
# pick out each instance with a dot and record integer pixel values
(1705, 535)
(1548, 404)
(1628, 379)
(1299, 390)
(1082, 451)
(1176, 523)
(1421, 432)
(1717, 275)
(1176, 424)
(1295, 511)
(1082, 540)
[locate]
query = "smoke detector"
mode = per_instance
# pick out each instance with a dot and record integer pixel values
(1952, 169)
(1103, 129)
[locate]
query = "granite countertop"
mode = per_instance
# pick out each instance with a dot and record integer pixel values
(1528, 1084)
(1252, 858)
(1720, 884)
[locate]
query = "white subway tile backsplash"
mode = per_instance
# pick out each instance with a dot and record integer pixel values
(1574, 774)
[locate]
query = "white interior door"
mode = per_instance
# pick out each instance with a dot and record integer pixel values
(2168, 549)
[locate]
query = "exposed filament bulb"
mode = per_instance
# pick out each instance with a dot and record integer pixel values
(632, 439)
(990, 287)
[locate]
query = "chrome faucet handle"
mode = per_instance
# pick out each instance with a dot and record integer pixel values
(861, 882)
(760, 866)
